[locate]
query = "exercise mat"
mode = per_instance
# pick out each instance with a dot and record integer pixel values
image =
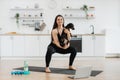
(58, 70)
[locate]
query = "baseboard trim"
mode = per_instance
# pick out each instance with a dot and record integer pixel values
(43, 57)
(113, 55)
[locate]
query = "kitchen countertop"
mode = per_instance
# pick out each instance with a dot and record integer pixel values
(96, 34)
(9, 34)
(24, 34)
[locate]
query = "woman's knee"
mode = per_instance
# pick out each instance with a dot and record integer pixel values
(50, 50)
(73, 50)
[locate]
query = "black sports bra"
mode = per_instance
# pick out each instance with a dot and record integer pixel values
(62, 38)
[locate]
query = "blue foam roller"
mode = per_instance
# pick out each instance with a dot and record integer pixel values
(26, 72)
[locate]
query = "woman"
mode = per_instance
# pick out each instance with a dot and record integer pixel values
(59, 43)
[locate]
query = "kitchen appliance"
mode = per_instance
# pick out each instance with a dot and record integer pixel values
(76, 42)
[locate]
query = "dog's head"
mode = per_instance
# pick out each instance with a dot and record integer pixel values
(70, 26)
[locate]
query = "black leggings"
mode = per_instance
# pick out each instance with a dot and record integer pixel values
(52, 48)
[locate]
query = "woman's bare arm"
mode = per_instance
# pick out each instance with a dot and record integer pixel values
(55, 38)
(68, 34)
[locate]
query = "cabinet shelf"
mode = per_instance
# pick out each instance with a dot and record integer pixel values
(26, 9)
(78, 17)
(79, 13)
(78, 9)
(71, 9)
(29, 18)
(28, 13)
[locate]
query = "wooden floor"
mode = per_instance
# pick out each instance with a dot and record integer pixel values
(110, 67)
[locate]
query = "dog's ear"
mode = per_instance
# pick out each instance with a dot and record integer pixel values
(70, 26)
(67, 26)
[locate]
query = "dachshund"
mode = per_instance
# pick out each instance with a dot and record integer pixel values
(64, 35)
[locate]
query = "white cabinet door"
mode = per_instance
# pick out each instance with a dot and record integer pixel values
(6, 45)
(87, 46)
(99, 46)
(32, 46)
(12, 46)
(18, 46)
(93, 45)
(44, 42)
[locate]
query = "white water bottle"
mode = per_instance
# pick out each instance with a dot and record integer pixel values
(26, 66)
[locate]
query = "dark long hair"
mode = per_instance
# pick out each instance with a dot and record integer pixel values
(55, 25)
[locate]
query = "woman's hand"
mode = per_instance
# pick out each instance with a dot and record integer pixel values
(66, 46)
(65, 41)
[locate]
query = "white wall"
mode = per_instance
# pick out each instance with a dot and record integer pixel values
(106, 17)
(112, 25)
(113, 41)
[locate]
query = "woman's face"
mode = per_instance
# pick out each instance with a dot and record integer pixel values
(59, 21)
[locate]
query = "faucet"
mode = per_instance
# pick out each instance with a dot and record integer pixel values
(91, 26)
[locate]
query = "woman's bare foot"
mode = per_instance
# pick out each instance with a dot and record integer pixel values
(72, 68)
(47, 70)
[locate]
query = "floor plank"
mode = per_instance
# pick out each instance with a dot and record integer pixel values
(110, 67)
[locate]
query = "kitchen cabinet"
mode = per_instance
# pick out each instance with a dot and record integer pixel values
(12, 46)
(44, 42)
(99, 46)
(18, 46)
(87, 46)
(24, 46)
(32, 46)
(93, 45)
(6, 45)
(36, 45)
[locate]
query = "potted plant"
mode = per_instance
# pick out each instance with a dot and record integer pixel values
(85, 8)
(17, 15)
